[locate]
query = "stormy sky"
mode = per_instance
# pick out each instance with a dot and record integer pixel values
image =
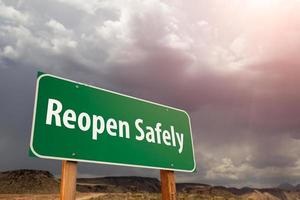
(233, 65)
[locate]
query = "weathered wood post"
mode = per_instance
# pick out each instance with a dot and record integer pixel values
(168, 185)
(68, 180)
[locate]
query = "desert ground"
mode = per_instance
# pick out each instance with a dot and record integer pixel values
(42, 185)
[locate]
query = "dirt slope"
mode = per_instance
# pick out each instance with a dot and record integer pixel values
(28, 181)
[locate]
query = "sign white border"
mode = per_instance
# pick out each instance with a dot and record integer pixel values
(99, 162)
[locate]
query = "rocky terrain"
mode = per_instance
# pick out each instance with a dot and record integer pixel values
(28, 181)
(118, 184)
(36, 184)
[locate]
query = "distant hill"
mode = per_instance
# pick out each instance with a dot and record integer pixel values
(286, 186)
(289, 187)
(28, 181)
(241, 191)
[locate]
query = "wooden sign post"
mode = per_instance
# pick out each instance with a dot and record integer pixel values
(168, 186)
(68, 180)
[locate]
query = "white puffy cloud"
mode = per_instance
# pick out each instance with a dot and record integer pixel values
(57, 27)
(9, 52)
(12, 15)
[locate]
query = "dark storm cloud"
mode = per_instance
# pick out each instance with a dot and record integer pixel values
(239, 83)
(15, 120)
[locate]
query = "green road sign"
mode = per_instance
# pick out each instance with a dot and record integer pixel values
(79, 122)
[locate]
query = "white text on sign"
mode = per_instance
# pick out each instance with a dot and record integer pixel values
(98, 125)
